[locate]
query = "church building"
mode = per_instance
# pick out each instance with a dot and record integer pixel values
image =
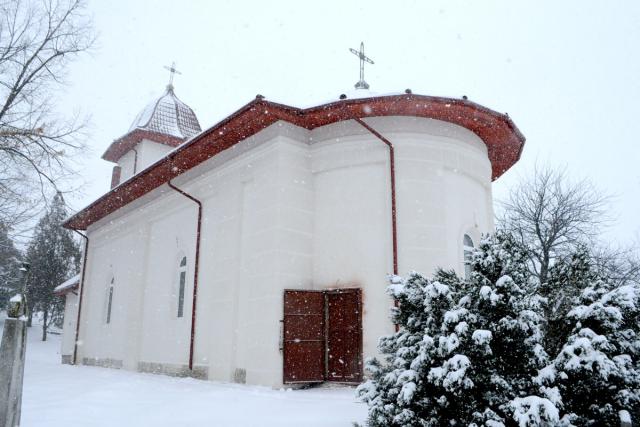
(258, 250)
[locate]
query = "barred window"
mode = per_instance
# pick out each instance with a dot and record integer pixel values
(182, 279)
(109, 300)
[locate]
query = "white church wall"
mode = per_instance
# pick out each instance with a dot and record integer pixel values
(442, 191)
(254, 257)
(442, 186)
(117, 255)
(166, 337)
(239, 256)
(126, 163)
(292, 250)
(286, 208)
(150, 152)
(352, 229)
(148, 323)
(69, 326)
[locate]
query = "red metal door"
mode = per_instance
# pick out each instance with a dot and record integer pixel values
(344, 335)
(304, 336)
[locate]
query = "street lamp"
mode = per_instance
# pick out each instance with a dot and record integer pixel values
(18, 304)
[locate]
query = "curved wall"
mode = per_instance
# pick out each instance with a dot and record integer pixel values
(443, 190)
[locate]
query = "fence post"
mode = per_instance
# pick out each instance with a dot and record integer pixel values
(12, 351)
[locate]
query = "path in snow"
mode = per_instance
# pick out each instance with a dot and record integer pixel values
(61, 395)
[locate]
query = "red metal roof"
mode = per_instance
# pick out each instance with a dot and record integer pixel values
(503, 139)
(166, 120)
(126, 142)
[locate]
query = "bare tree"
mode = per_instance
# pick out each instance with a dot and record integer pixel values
(38, 39)
(620, 265)
(552, 215)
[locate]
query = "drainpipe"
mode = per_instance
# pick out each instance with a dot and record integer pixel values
(135, 160)
(84, 269)
(392, 172)
(195, 272)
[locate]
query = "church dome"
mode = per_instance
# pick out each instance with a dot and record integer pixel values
(168, 115)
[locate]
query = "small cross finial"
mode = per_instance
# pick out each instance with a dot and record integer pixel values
(172, 70)
(363, 58)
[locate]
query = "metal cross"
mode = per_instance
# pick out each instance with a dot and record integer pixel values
(360, 54)
(172, 71)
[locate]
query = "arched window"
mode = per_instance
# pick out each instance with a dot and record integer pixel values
(182, 279)
(467, 245)
(109, 300)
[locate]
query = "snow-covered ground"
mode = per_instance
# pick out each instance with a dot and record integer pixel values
(62, 395)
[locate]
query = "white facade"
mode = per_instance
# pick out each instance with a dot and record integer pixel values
(144, 154)
(287, 208)
(69, 326)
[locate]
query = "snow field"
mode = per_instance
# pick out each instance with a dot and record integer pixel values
(62, 395)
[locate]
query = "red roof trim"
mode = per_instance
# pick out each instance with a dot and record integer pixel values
(503, 139)
(122, 145)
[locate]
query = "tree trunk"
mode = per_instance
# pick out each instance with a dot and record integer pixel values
(29, 318)
(544, 267)
(45, 315)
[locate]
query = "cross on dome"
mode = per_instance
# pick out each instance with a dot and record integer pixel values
(172, 70)
(363, 58)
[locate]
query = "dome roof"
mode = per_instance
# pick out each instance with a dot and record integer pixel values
(168, 115)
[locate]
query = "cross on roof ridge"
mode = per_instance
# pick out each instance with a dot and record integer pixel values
(363, 58)
(172, 70)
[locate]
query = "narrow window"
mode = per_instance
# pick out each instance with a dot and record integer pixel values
(467, 245)
(182, 278)
(109, 301)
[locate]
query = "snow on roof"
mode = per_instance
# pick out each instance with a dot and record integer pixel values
(349, 94)
(68, 285)
(168, 115)
(503, 139)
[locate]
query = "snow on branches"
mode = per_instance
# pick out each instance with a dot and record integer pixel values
(465, 350)
(477, 353)
(597, 370)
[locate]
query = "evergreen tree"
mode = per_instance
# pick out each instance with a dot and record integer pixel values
(10, 277)
(467, 351)
(567, 279)
(597, 368)
(54, 257)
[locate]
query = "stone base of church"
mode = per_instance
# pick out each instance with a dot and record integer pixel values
(199, 372)
(103, 363)
(66, 359)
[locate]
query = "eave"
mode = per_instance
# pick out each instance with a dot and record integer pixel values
(503, 139)
(125, 143)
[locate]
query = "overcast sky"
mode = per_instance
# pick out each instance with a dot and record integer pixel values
(566, 72)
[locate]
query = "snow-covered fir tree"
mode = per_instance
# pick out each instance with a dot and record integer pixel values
(597, 367)
(567, 279)
(54, 257)
(466, 352)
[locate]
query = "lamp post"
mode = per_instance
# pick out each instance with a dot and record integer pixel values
(18, 303)
(24, 273)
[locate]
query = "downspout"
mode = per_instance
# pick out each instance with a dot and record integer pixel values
(84, 269)
(392, 172)
(135, 160)
(195, 272)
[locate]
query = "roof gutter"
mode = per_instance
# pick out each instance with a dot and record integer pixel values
(81, 291)
(195, 271)
(392, 174)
